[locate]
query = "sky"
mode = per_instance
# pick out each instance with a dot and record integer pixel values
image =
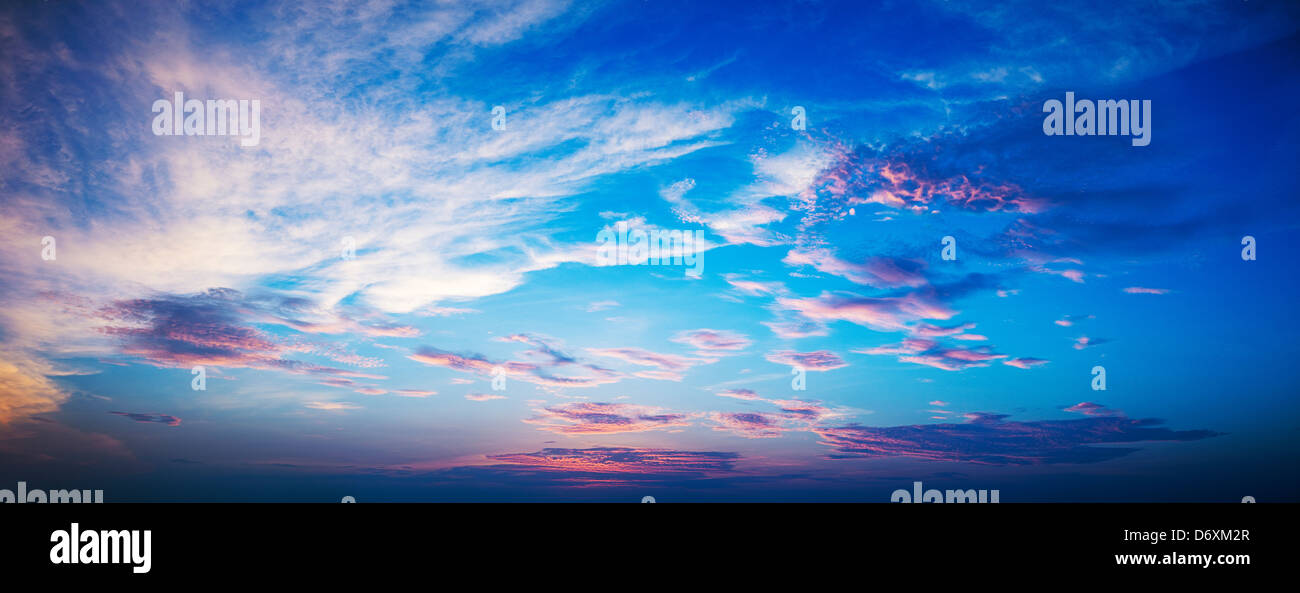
(402, 291)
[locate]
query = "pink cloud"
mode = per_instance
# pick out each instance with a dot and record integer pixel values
(898, 185)
(451, 360)
(620, 461)
(1092, 409)
(643, 357)
(991, 439)
(745, 394)
(820, 360)
(751, 425)
(878, 272)
(926, 330)
(713, 341)
(483, 397)
(1084, 341)
(879, 313)
(934, 354)
(605, 418)
(213, 329)
(796, 329)
(754, 287)
(534, 373)
(1025, 362)
(332, 406)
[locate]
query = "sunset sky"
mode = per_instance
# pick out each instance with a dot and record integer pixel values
(476, 250)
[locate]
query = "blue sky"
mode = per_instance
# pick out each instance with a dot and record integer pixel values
(476, 252)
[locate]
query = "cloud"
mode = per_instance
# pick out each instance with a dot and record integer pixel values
(546, 354)
(820, 360)
(712, 342)
(752, 425)
(926, 330)
(414, 392)
(622, 460)
(901, 182)
(991, 439)
(595, 306)
(1092, 409)
(1025, 362)
(25, 388)
(332, 406)
(1070, 320)
(1144, 290)
(543, 349)
(754, 287)
(1074, 275)
(483, 397)
(746, 394)
(878, 272)
(605, 418)
(878, 313)
(1085, 342)
(806, 411)
(183, 215)
(934, 354)
(797, 329)
(643, 357)
(158, 418)
(460, 362)
(793, 414)
(41, 445)
(213, 328)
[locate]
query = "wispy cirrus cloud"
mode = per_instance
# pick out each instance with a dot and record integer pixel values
(793, 415)
(934, 354)
(332, 406)
(581, 418)
(878, 272)
(666, 366)
(1082, 342)
(754, 425)
(745, 394)
(483, 397)
(878, 313)
(1070, 320)
(547, 356)
(755, 287)
(623, 460)
(991, 439)
(819, 360)
(1025, 362)
(1092, 409)
(713, 342)
(212, 328)
(167, 419)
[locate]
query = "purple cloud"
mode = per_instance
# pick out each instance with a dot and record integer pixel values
(991, 439)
